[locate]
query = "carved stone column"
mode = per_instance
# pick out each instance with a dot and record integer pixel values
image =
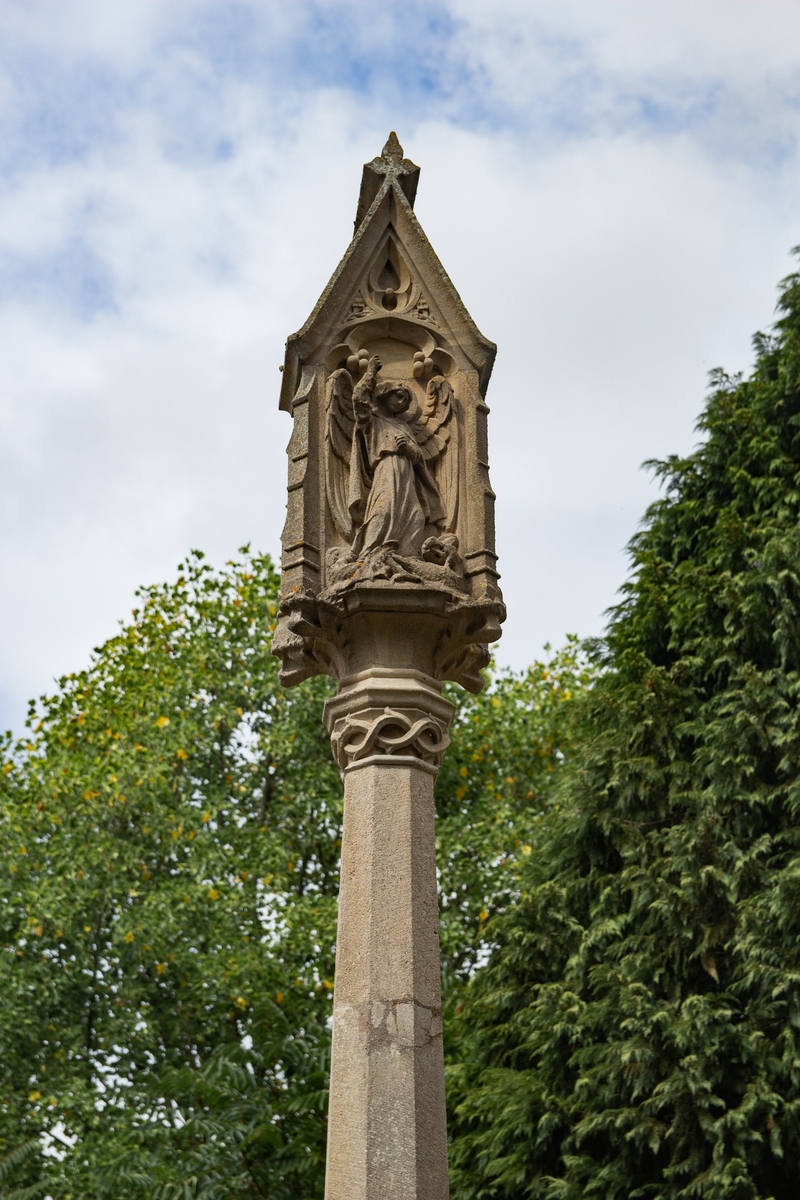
(387, 1132)
(390, 587)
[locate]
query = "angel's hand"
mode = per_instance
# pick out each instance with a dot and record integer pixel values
(362, 392)
(406, 445)
(371, 374)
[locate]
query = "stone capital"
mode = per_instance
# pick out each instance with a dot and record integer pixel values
(392, 715)
(343, 633)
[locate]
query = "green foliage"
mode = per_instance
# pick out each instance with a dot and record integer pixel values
(493, 789)
(169, 851)
(169, 860)
(637, 1031)
(11, 1163)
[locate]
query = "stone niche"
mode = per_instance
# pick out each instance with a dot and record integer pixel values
(390, 512)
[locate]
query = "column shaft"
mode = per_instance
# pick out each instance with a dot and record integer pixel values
(387, 1136)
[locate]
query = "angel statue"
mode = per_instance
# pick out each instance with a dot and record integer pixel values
(383, 446)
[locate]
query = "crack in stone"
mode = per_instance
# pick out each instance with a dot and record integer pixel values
(399, 1024)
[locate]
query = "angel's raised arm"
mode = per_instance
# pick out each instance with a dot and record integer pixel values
(362, 393)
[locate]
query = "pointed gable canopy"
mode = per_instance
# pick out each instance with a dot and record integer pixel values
(389, 271)
(388, 491)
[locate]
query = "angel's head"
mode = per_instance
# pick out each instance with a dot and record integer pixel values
(392, 397)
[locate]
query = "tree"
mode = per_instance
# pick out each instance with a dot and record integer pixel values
(636, 1031)
(169, 847)
(496, 783)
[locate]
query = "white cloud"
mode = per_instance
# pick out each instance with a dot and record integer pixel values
(154, 272)
(706, 41)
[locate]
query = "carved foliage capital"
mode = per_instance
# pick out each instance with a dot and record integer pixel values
(384, 716)
(389, 731)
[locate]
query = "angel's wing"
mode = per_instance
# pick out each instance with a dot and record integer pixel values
(434, 426)
(339, 421)
(431, 423)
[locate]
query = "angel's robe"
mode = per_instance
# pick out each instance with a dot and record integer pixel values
(391, 498)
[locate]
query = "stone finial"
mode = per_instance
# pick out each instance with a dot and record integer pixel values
(391, 165)
(392, 149)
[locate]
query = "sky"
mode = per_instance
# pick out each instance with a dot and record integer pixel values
(614, 189)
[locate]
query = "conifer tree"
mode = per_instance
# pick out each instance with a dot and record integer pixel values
(637, 1031)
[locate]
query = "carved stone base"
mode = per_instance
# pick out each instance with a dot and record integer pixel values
(438, 565)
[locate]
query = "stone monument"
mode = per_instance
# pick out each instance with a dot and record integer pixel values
(390, 587)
